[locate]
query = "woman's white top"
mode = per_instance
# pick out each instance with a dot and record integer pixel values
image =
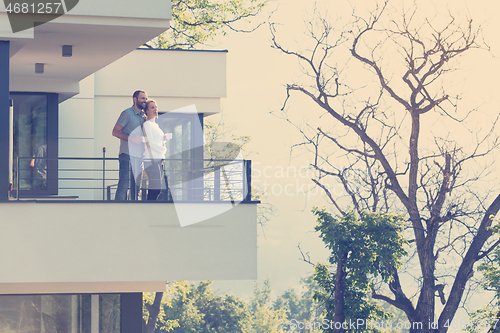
(155, 146)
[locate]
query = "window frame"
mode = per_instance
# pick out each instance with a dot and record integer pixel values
(52, 135)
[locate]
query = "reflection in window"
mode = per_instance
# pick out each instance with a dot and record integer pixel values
(178, 167)
(30, 140)
(60, 313)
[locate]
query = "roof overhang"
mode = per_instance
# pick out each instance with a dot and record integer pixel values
(96, 42)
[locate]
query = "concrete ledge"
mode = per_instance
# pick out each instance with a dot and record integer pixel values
(81, 287)
(85, 242)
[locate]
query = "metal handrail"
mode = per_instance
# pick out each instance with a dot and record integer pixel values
(223, 184)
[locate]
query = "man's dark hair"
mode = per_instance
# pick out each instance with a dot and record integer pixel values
(137, 92)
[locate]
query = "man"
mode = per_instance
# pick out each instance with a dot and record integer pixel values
(129, 120)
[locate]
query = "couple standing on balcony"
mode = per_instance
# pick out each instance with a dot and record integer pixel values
(140, 119)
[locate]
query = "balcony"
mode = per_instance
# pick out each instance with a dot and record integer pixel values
(80, 240)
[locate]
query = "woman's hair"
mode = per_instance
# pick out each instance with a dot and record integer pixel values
(147, 104)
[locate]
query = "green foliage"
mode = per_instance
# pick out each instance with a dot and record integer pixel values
(358, 304)
(191, 308)
(187, 307)
(163, 324)
(491, 275)
(200, 21)
(301, 309)
(482, 319)
(264, 318)
(371, 240)
(371, 243)
(261, 296)
(397, 316)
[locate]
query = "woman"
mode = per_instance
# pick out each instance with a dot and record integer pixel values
(155, 150)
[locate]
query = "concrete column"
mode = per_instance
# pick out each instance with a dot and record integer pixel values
(131, 313)
(94, 319)
(4, 120)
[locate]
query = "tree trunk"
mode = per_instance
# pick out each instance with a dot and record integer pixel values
(340, 276)
(154, 311)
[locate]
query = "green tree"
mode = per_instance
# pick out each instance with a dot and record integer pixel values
(265, 319)
(488, 317)
(196, 22)
(363, 247)
(187, 307)
(302, 308)
(483, 320)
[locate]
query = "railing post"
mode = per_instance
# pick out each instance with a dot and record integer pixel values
(132, 188)
(134, 164)
(217, 183)
(17, 179)
(248, 181)
(103, 173)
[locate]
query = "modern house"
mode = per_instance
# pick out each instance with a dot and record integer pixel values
(73, 259)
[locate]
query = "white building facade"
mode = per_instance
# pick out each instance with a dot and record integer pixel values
(78, 261)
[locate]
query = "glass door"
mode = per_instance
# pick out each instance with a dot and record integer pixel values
(34, 144)
(184, 151)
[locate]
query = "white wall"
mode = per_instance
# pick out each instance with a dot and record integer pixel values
(113, 242)
(165, 73)
(152, 9)
(76, 139)
(124, 8)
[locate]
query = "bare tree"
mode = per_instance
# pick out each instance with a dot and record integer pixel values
(392, 160)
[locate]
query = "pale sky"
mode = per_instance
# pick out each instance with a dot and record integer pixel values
(256, 75)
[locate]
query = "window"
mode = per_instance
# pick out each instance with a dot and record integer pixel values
(35, 117)
(184, 151)
(82, 313)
